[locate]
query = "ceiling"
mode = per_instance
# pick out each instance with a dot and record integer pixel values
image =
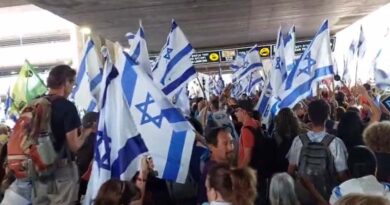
(207, 23)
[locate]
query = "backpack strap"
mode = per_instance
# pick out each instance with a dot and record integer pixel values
(328, 139)
(304, 139)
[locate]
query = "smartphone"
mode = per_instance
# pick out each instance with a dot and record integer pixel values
(386, 103)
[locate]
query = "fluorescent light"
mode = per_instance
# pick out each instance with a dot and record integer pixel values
(85, 30)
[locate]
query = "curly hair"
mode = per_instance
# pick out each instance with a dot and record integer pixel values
(286, 123)
(376, 136)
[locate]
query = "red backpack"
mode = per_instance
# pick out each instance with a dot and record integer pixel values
(30, 146)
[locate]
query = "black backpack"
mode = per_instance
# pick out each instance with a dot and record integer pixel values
(316, 163)
(263, 160)
(263, 153)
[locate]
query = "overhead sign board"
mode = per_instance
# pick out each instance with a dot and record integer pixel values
(228, 55)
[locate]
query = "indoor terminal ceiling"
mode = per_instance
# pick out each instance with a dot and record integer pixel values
(207, 23)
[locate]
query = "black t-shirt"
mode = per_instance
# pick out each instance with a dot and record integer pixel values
(64, 118)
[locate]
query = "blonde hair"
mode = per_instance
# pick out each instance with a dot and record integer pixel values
(360, 199)
(376, 136)
(282, 191)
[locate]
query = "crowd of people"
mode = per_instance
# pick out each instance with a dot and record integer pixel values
(330, 149)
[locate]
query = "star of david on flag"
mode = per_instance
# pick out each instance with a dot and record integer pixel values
(174, 68)
(146, 118)
(279, 63)
(168, 54)
(314, 65)
(167, 134)
(103, 149)
(310, 63)
(119, 146)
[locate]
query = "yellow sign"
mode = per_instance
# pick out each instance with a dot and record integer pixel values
(214, 57)
(264, 52)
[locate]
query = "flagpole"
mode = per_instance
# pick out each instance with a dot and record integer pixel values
(356, 70)
(201, 87)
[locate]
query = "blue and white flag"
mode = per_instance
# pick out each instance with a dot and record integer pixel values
(252, 62)
(314, 65)
(8, 102)
(130, 39)
(350, 61)
(262, 105)
(237, 90)
(220, 84)
(139, 50)
(362, 44)
(167, 134)
(238, 63)
(119, 146)
(289, 50)
(212, 82)
(278, 70)
(256, 81)
(88, 80)
(182, 102)
(381, 71)
(174, 68)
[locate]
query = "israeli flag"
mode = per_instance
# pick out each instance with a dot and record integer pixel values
(130, 38)
(256, 81)
(252, 62)
(237, 90)
(213, 85)
(87, 90)
(289, 50)
(119, 146)
(314, 65)
(220, 84)
(381, 71)
(167, 134)
(182, 102)
(174, 68)
(263, 104)
(350, 61)
(238, 63)
(8, 102)
(279, 71)
(362, 44)
(139, 50)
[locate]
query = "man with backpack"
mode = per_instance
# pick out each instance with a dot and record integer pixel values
(41, 147)
(256, 149)
(318, 156)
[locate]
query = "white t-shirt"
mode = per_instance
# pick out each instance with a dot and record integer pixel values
(336, 147)
(367, 185)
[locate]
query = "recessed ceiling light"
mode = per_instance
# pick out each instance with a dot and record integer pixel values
(85, 30)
